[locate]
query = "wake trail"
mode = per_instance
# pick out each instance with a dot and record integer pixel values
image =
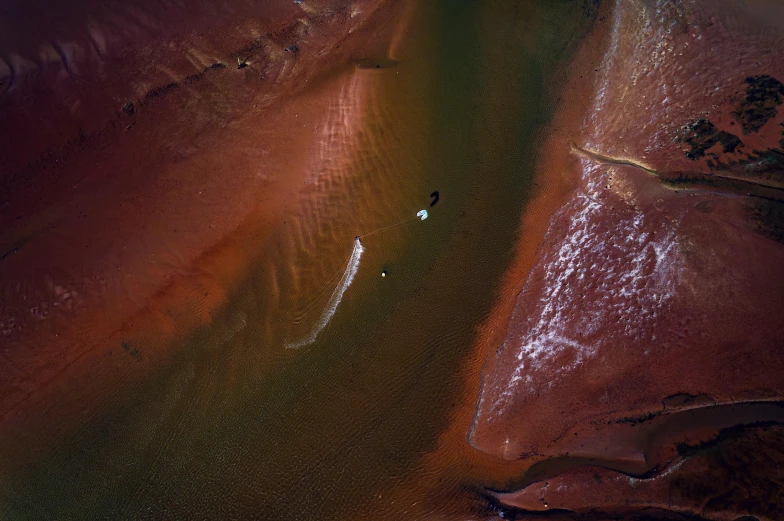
(337, 296)
(346, 279)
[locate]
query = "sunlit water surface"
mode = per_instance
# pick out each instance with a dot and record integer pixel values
(250, 419)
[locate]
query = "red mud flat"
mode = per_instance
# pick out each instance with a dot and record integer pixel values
(640, 373)
(149, 150)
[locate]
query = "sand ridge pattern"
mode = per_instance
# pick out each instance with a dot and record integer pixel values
(148, 168)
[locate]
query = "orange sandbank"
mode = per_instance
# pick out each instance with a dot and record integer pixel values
(149, 155)
(657, 293)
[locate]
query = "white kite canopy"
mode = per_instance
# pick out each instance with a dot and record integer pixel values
(345, 281)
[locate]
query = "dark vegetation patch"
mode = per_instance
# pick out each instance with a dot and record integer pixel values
(767, 217)
(730, 433)
(590, 7)
(744, 472)
(763, 95)
(767, 163)
(701, 135)
(741, 472)
(724, 178)
(729, 142)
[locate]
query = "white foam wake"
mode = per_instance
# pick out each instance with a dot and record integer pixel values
(337, 296)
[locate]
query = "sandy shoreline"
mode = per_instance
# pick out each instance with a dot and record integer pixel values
(156, 218)
(657, 291)
(628, 341)
(557, 176)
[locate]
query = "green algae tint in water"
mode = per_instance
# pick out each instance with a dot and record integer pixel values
(237, 426)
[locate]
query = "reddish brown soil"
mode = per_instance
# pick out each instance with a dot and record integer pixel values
(659, 288)
(142, 170)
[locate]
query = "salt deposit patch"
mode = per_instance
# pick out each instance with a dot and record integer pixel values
(613, 274)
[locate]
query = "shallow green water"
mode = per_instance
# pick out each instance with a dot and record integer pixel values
(236, 426)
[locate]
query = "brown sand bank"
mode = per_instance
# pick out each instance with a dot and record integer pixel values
(658, 288)
(444, 486)
(143, 170)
